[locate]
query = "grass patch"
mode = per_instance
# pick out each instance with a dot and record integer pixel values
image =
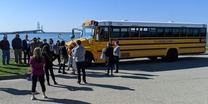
(12, 68)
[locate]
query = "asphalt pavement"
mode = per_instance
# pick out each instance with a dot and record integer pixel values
(140, 81)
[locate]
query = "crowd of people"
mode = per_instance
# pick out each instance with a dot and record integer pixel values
(41, 54)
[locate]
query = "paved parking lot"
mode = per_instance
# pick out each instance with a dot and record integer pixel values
(140, 81)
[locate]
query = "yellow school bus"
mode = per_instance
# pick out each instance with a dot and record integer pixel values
(142, 39)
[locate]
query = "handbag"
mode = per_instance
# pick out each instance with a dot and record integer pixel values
(102, 56)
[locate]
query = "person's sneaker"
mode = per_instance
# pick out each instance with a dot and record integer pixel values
(116, 72)
(78, 82)
(45, 97)
(33, 98)
(48, 84)
(59, 71)
(85, 82)
(55, 83)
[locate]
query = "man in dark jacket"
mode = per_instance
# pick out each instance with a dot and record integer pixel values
(5, 47)
(109, 58)
(26, 49)
(17, 46)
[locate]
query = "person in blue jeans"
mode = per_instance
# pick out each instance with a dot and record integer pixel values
(5, 47)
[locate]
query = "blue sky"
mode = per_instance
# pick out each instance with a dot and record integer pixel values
(63, 15)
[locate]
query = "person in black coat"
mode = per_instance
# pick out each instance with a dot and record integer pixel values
(49, 64)
(63, 57)
(26, 49)
(109, 58)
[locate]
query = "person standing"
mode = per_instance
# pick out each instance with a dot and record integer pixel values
(51, 46)
(44, 43)
(49, 64)
(17, 46)
(34, 44)
(116, 53)
(5, 47)
(109, 58)
(71, 62)
(79, 54)
(63, 57)
(57, 51)
(37, 64)
(26, 49)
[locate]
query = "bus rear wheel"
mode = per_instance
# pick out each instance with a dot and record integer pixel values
(171, 56)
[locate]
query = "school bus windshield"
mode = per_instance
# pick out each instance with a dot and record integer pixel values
(88, 32)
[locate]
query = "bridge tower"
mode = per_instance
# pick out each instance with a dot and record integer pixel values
(42, 27)
(38, 26)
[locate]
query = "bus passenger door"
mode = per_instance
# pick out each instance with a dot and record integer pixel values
(101, 40)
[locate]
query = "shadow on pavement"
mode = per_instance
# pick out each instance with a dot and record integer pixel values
(63, 101)
(128, 75)
(73, 88)
(149, 75)
(66, 76)
(16, 91)
(115, 87)
(159, 65)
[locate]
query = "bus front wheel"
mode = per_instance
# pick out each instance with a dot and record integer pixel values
(88, 60)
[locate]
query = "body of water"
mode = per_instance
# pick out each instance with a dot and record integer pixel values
(54, 36)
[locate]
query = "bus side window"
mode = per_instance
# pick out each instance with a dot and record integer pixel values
(176, 32)
(160, 32)
(144, 32)
(183, 32)
(134, 32)
(168, 32)
(202, 32)
(124, 32)
(196, 32)
(115, 32)
(152, 32)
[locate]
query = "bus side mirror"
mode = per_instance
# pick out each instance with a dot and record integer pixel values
(72, 35)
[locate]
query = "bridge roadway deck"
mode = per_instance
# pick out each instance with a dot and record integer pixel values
(140, 81)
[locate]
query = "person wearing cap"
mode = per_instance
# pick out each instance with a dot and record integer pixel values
(17, 46)
(5, 47)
